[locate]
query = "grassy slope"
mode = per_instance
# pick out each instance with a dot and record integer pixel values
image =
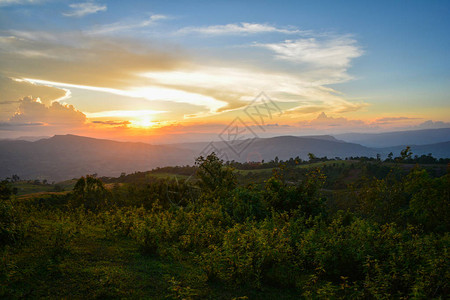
(95, 264)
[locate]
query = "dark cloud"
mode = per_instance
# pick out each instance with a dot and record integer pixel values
(112, 123)
(18, 126)
(394, 119)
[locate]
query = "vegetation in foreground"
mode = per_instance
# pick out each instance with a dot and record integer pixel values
(367, 230)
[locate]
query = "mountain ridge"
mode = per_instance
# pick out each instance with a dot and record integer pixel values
(69, 156)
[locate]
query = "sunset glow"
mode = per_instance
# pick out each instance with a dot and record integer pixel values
(113, 71)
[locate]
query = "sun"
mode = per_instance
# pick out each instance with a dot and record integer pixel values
(143, 123)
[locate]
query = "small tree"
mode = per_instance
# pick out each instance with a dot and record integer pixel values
(10, 228)
(390, 156)
(312, 157)
(214, 178)
(90, 192)
(406, 153)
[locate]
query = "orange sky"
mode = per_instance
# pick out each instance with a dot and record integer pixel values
(159, 78)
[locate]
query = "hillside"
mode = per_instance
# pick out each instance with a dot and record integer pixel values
(286, 147)
(438, 149)
(68, 156)
(390, 139)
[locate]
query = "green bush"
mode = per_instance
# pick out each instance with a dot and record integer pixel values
(10, 222)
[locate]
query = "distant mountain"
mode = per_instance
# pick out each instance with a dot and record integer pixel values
(286, 147)
(323, 137)
(438, 150)
(28, 138)
(69, 156)
(389, 139)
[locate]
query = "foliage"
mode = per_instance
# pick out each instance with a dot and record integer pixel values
(10, 222)
(384, 236)
(90, 192)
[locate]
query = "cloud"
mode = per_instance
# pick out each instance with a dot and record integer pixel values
(238, 28)
(337, 51)
(12, 91)
(9, 102)
(132, 68)
(124, 113)
(324, 122)
(83, 9)
(33, 111)
(394, 119)
(92, 60)
(19, 2)
(433, 124)
(112, 123)
(238, 86)
(125, 26)
(18, 126)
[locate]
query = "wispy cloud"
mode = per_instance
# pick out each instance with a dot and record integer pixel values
(125, 26)
(395, 119)
(123, 113)
(329, 51)
(164, 75)
(112, 123)
(83, 9)
(19, 2)
(238, 28)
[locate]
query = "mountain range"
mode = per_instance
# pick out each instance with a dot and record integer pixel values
(69, 156)
(397, 138)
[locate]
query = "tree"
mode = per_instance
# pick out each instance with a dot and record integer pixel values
(6, 191)
(406, 153)
(312, 157)
(214, 177)
(390, 156)
(90, 192)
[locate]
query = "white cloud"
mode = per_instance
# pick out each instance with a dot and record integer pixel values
(332, 52)
(151, 93)
(212, 87)
(239, 86)
(33, 111)
(83, 9)
(19, 2)
(123, 26)
(239, 28)
(326, 122)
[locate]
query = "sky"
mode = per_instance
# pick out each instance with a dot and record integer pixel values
(181, 71)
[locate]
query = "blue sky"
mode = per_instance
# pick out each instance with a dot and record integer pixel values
(378, 58)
